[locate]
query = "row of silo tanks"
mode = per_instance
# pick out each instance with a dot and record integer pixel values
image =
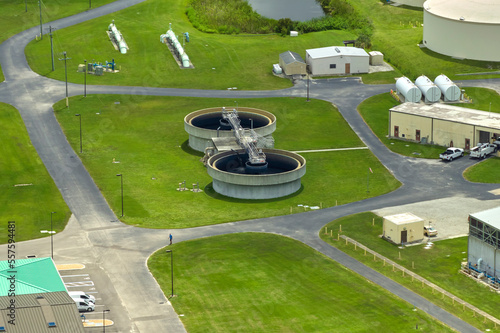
(170, 38)
(431, 91)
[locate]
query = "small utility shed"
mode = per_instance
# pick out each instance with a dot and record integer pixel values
(292, 63)
(484, 241)
(443, 124)
(337, 60)
(403, 228)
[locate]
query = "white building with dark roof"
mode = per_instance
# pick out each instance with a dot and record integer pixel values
(337, 60)
(463, 28)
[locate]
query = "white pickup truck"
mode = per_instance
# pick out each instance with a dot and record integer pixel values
(483, 149)
(451, 153)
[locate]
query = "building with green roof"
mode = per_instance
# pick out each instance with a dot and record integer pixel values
(34, 299)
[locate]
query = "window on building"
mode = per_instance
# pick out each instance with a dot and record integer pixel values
(333, 65)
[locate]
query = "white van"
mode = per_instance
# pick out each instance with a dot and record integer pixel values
(82, 295)
(83, 305)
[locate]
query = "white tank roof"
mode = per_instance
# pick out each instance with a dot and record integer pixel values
(482, 11)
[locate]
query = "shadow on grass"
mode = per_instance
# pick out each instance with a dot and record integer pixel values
(185, 147)
(209, 190)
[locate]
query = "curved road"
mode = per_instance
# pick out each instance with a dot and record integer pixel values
(115, 254)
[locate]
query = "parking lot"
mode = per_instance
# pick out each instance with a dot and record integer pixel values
(77, 278)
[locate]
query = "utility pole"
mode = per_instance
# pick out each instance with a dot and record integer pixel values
(40, 7)
(66, 76)
(25, 6)
(51, 47)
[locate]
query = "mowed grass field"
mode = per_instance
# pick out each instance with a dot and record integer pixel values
(440, 265)
(28, 194)
(17, 16)
(268, 283)
(146, 136)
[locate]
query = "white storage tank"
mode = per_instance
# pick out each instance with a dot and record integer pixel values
(431, 92)
(451, 92)
(410, 91)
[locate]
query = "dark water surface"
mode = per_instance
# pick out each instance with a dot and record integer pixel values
(297, 10)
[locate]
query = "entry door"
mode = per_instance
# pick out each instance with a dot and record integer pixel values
(348, 68)
(417, 135)
(396, 131)
(467, 144)
(404, 236)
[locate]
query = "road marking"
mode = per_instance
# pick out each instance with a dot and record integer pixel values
(64, 276)
(495, 192)
(67, 267)
(79, 284)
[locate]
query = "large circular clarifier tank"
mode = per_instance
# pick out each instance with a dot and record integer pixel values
(450, 90)
(410, 91)
(282, 176)
(205, 124)
(431, 92)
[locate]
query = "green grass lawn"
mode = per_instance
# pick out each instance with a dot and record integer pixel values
(17, 16)
(146, 135)
(31, 202)
(485, 172)
(440, 265)
(268, 283)
(398, 32)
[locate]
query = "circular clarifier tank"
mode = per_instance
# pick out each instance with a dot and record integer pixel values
(203, 125)
(234, 177)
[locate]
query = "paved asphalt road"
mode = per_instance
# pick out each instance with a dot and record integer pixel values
(115, 254)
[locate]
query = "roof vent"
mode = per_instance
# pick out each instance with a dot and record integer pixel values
(462, 18)
(337, 49)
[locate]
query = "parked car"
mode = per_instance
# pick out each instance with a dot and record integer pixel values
(430, 231)
(482, 150)
(83, 305)
(451, 153)
(82, 295)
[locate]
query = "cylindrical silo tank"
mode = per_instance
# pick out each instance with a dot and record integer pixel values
(431, 92)
(185, 60)
(451, 92)
(410, 91)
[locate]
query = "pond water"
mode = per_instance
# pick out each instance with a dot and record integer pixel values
(297, 10)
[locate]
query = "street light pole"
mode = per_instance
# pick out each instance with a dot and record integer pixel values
(171, 270)
(121, 177)
(104, 321)
(85, 81)
(51, 239)
(80, 116)
(40, 7)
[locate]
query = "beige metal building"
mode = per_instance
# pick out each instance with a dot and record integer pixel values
(463, 28)
(403, 228)
(334, 60)
(292, 63)
(443, 124)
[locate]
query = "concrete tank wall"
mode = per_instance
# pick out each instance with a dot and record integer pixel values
(261, 186)
(200, 138)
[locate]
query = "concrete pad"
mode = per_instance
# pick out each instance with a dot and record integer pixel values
(449, 215)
